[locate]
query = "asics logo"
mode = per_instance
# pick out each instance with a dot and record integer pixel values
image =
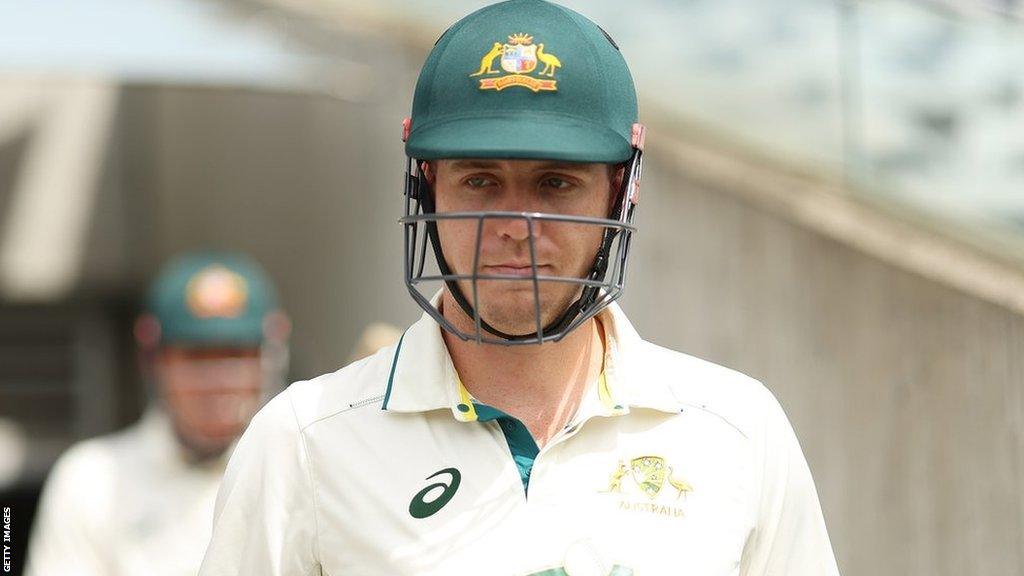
(420, 507)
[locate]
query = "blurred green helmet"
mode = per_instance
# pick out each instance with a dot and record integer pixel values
(211, 299)
(529, 80)
(524, 79)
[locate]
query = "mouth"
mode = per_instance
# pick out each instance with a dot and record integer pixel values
(513, 269)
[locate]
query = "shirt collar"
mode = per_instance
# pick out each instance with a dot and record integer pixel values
(422, 377)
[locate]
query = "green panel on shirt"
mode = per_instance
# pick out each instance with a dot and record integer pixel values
(520, 442)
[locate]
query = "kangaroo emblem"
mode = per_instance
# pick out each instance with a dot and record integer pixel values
(615, 481)
(487, 62)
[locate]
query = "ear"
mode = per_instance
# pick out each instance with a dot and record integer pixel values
(147, 332)
(277, 326)
(428, 172)
(618, 172)
(617, 176)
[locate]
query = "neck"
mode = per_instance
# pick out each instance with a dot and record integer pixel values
(540, 384)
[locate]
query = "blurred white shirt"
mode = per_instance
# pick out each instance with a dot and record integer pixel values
(125, 504)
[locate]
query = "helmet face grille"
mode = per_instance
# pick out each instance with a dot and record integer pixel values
(426, 269)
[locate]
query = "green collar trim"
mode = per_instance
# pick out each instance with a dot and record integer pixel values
(391, 377)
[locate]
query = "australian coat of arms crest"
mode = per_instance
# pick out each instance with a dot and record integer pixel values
(650, 474)
(519, 58)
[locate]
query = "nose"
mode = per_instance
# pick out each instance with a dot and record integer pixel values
(516, 228)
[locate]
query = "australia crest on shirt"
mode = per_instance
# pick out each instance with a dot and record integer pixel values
(649, 484)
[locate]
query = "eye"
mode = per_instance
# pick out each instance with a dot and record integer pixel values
(557, 183)
(478, 182)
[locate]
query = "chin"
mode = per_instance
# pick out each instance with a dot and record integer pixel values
(205, 449)
(518, 318)
(208, 444)
(509, 305)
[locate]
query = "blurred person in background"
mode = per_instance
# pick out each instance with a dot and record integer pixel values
(212, 348)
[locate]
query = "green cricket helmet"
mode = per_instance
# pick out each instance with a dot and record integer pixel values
(523, 79)
(212, 299)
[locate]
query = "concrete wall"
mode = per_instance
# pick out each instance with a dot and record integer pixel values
(907, 396)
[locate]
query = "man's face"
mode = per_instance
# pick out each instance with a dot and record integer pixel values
(560, 248)
(209, 393)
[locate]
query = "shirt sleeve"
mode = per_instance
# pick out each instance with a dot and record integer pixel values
(70, 535)
(265, 515)
(790, 537)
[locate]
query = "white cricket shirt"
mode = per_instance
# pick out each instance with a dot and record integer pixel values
(125, 504)
(672, 465)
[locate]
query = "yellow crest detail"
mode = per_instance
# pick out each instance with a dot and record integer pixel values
(650, 474)
(520, 39)
(519, 58)
(216, 292)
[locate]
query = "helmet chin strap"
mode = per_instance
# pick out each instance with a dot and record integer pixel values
(586, 299)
